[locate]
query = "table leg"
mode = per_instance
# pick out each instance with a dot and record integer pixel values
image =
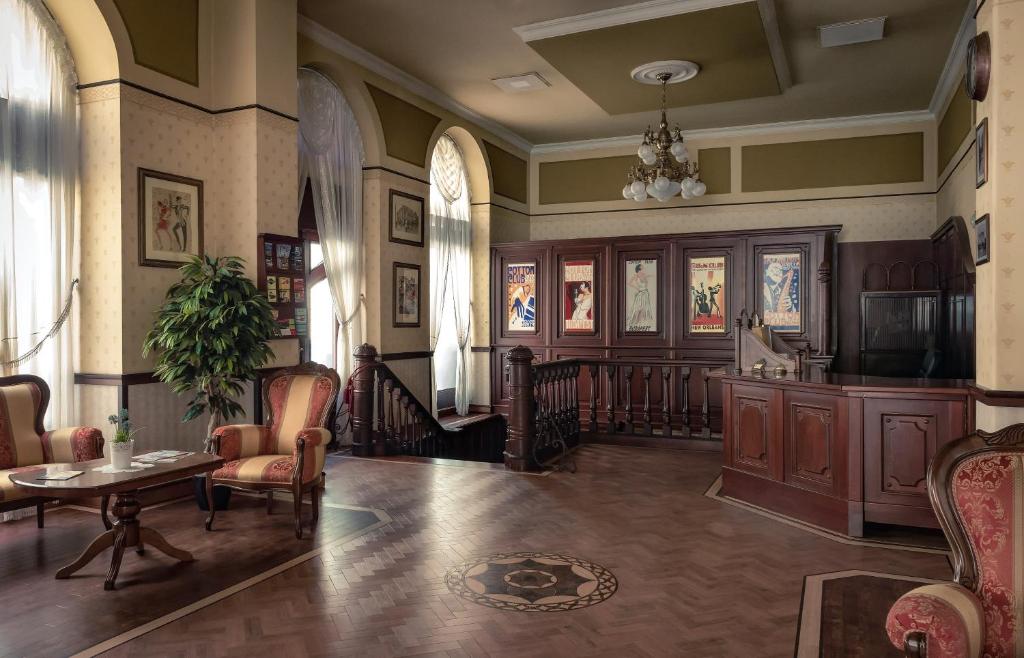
(98, 545)
(157, 541)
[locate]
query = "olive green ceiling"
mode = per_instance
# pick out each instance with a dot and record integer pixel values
(728, 43)
(407, 129)
(164, 35)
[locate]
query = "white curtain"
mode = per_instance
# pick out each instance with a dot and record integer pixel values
(38, 199)
(331, 155)
(450, 257)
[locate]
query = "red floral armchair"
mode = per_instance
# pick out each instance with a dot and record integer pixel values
(976, 486)
(287, 454)
(24, 444)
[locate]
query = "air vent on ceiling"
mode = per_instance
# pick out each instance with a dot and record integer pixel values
(522, 82)
(844, 34)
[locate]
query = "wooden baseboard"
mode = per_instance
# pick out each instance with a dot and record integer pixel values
(672, 443)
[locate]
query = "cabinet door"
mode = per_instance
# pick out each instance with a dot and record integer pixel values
(900, 439)
(754, 434)
(815, 442)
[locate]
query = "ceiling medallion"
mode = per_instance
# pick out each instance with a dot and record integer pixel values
(664, 169)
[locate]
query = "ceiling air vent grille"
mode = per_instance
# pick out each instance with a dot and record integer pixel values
(844, 34)
(519, 83)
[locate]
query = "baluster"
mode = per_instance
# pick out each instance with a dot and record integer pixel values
(389, 424)
(379, 418)
(612, 394)
(685, 374)
(574, 398)
(705, 407)
(592, 369)
(648, 428)
(628, 402)
(666, 409)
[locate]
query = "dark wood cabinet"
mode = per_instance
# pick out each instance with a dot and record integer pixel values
(754, 423)
(815, 444)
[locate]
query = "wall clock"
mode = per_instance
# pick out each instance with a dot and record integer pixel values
(979, 66)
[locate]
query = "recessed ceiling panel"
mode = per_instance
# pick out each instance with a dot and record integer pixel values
(728, 43)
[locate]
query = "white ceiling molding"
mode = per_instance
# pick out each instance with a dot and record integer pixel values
(351, 51)
(783, 127)
(950, 73)
(644, 11)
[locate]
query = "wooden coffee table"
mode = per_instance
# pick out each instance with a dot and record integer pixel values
(126, 532)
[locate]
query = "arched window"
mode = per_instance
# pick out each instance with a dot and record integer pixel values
(450, 274)
(38, 190)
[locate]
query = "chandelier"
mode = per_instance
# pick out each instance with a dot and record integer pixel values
(664, 169)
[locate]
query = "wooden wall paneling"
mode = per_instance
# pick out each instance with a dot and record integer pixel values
(635, 251)
(599, 253)
(756, 432)
(815, 436)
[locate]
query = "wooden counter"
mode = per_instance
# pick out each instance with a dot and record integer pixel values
(838, 450)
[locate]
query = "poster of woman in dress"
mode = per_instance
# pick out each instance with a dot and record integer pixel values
(641, 295)
(707, 295)
(578, 296)
(781, 292)
(521, 290)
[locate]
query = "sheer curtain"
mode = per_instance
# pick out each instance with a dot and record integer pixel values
(331, 155)
(38, 198)
(450, 257)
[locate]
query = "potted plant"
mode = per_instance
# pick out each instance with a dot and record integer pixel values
(123, 446)
(210, 338)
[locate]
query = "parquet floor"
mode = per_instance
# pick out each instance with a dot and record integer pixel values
(696, 577)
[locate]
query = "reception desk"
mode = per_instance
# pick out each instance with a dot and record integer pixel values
(838, 450)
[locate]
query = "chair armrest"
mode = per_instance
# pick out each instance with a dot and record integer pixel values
(946, 620)
(237, 441)
(311, 449)
(72, 444)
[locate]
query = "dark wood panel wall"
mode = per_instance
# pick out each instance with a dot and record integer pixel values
(673, 339)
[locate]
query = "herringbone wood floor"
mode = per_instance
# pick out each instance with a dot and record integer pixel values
(696, 577)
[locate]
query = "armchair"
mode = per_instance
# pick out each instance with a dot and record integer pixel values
(25, 445)
(287, 454)
(976, 487)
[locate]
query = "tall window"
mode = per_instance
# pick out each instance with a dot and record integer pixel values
(323, 325)
(38, 204)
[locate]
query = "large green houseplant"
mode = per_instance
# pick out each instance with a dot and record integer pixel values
(210, 337)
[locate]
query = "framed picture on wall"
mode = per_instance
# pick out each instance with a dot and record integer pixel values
(640, 283)
(780, 291)
(981, 233)
(406, 213)
(981, 163)
(408, 293)
(707, 285)
(578, 299)
(170, 218)
(521, 297)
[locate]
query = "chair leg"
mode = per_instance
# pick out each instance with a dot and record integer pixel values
(297, 495)
(209, 501)
(270, 502)
(39, 514)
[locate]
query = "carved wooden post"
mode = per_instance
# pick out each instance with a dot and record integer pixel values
(628, 402)
(705, 407)
(522, 427)
(737, 368)
(593, 370)
(666, 402)
(824, 308)
(362, 400)
(610, 370)
(646, 371)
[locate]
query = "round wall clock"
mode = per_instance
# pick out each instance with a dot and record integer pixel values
(979, 66)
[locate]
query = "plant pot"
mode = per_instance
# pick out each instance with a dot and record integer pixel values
(221, 495)
(121, 454)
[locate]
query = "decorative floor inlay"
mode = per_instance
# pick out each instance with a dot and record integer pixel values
(544, 582)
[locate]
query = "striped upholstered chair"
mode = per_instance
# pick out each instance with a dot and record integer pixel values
(25, 445)
(286, 454)
(976, 486)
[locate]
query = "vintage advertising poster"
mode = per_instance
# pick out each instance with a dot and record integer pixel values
(781, 291)
(521, 293)
(707, 295)
(578, 296)
(641, 289)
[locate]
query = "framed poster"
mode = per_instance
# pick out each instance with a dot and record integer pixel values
(406, 218)
(707, 283)
(170, 218)
(981, 163)
(780, 291)
(981, 233)
(640, 281)
(408, 293)
(578, 297)
(521, 297)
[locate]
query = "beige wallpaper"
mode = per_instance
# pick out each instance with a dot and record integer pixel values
(957, 196)
(94, 404)
(414, 373)
(509, 225)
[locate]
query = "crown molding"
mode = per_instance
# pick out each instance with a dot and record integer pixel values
(950, 72)
(347, 49)
(864, 121)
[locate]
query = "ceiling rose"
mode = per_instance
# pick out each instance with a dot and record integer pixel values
(678, 70)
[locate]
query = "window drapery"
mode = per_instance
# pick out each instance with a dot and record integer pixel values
(38, 199)
(450, 257)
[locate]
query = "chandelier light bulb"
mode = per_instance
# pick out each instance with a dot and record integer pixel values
(638, 188)
(684, 192)
(646, 153)
(661, 183)
(627, 191)
(699, 188)
(679, 151)
(687, 185)
(640, 197)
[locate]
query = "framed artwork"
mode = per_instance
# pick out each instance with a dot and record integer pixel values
(170, 218)
(640, 281)
(981, 164)
(981, 233)
(406, 213)
(578, 316)
(780, 293)
(707, 283)
(521, 297)
(408, 293)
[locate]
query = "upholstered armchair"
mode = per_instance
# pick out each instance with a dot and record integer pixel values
(976, 486)
(287, 454)
(24, 444)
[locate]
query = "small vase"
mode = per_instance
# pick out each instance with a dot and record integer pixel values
(121, 454)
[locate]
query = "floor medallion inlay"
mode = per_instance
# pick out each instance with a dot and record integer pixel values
(544, 582)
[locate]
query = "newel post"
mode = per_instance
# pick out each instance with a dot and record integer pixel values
(522, 426)
(363, 378)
